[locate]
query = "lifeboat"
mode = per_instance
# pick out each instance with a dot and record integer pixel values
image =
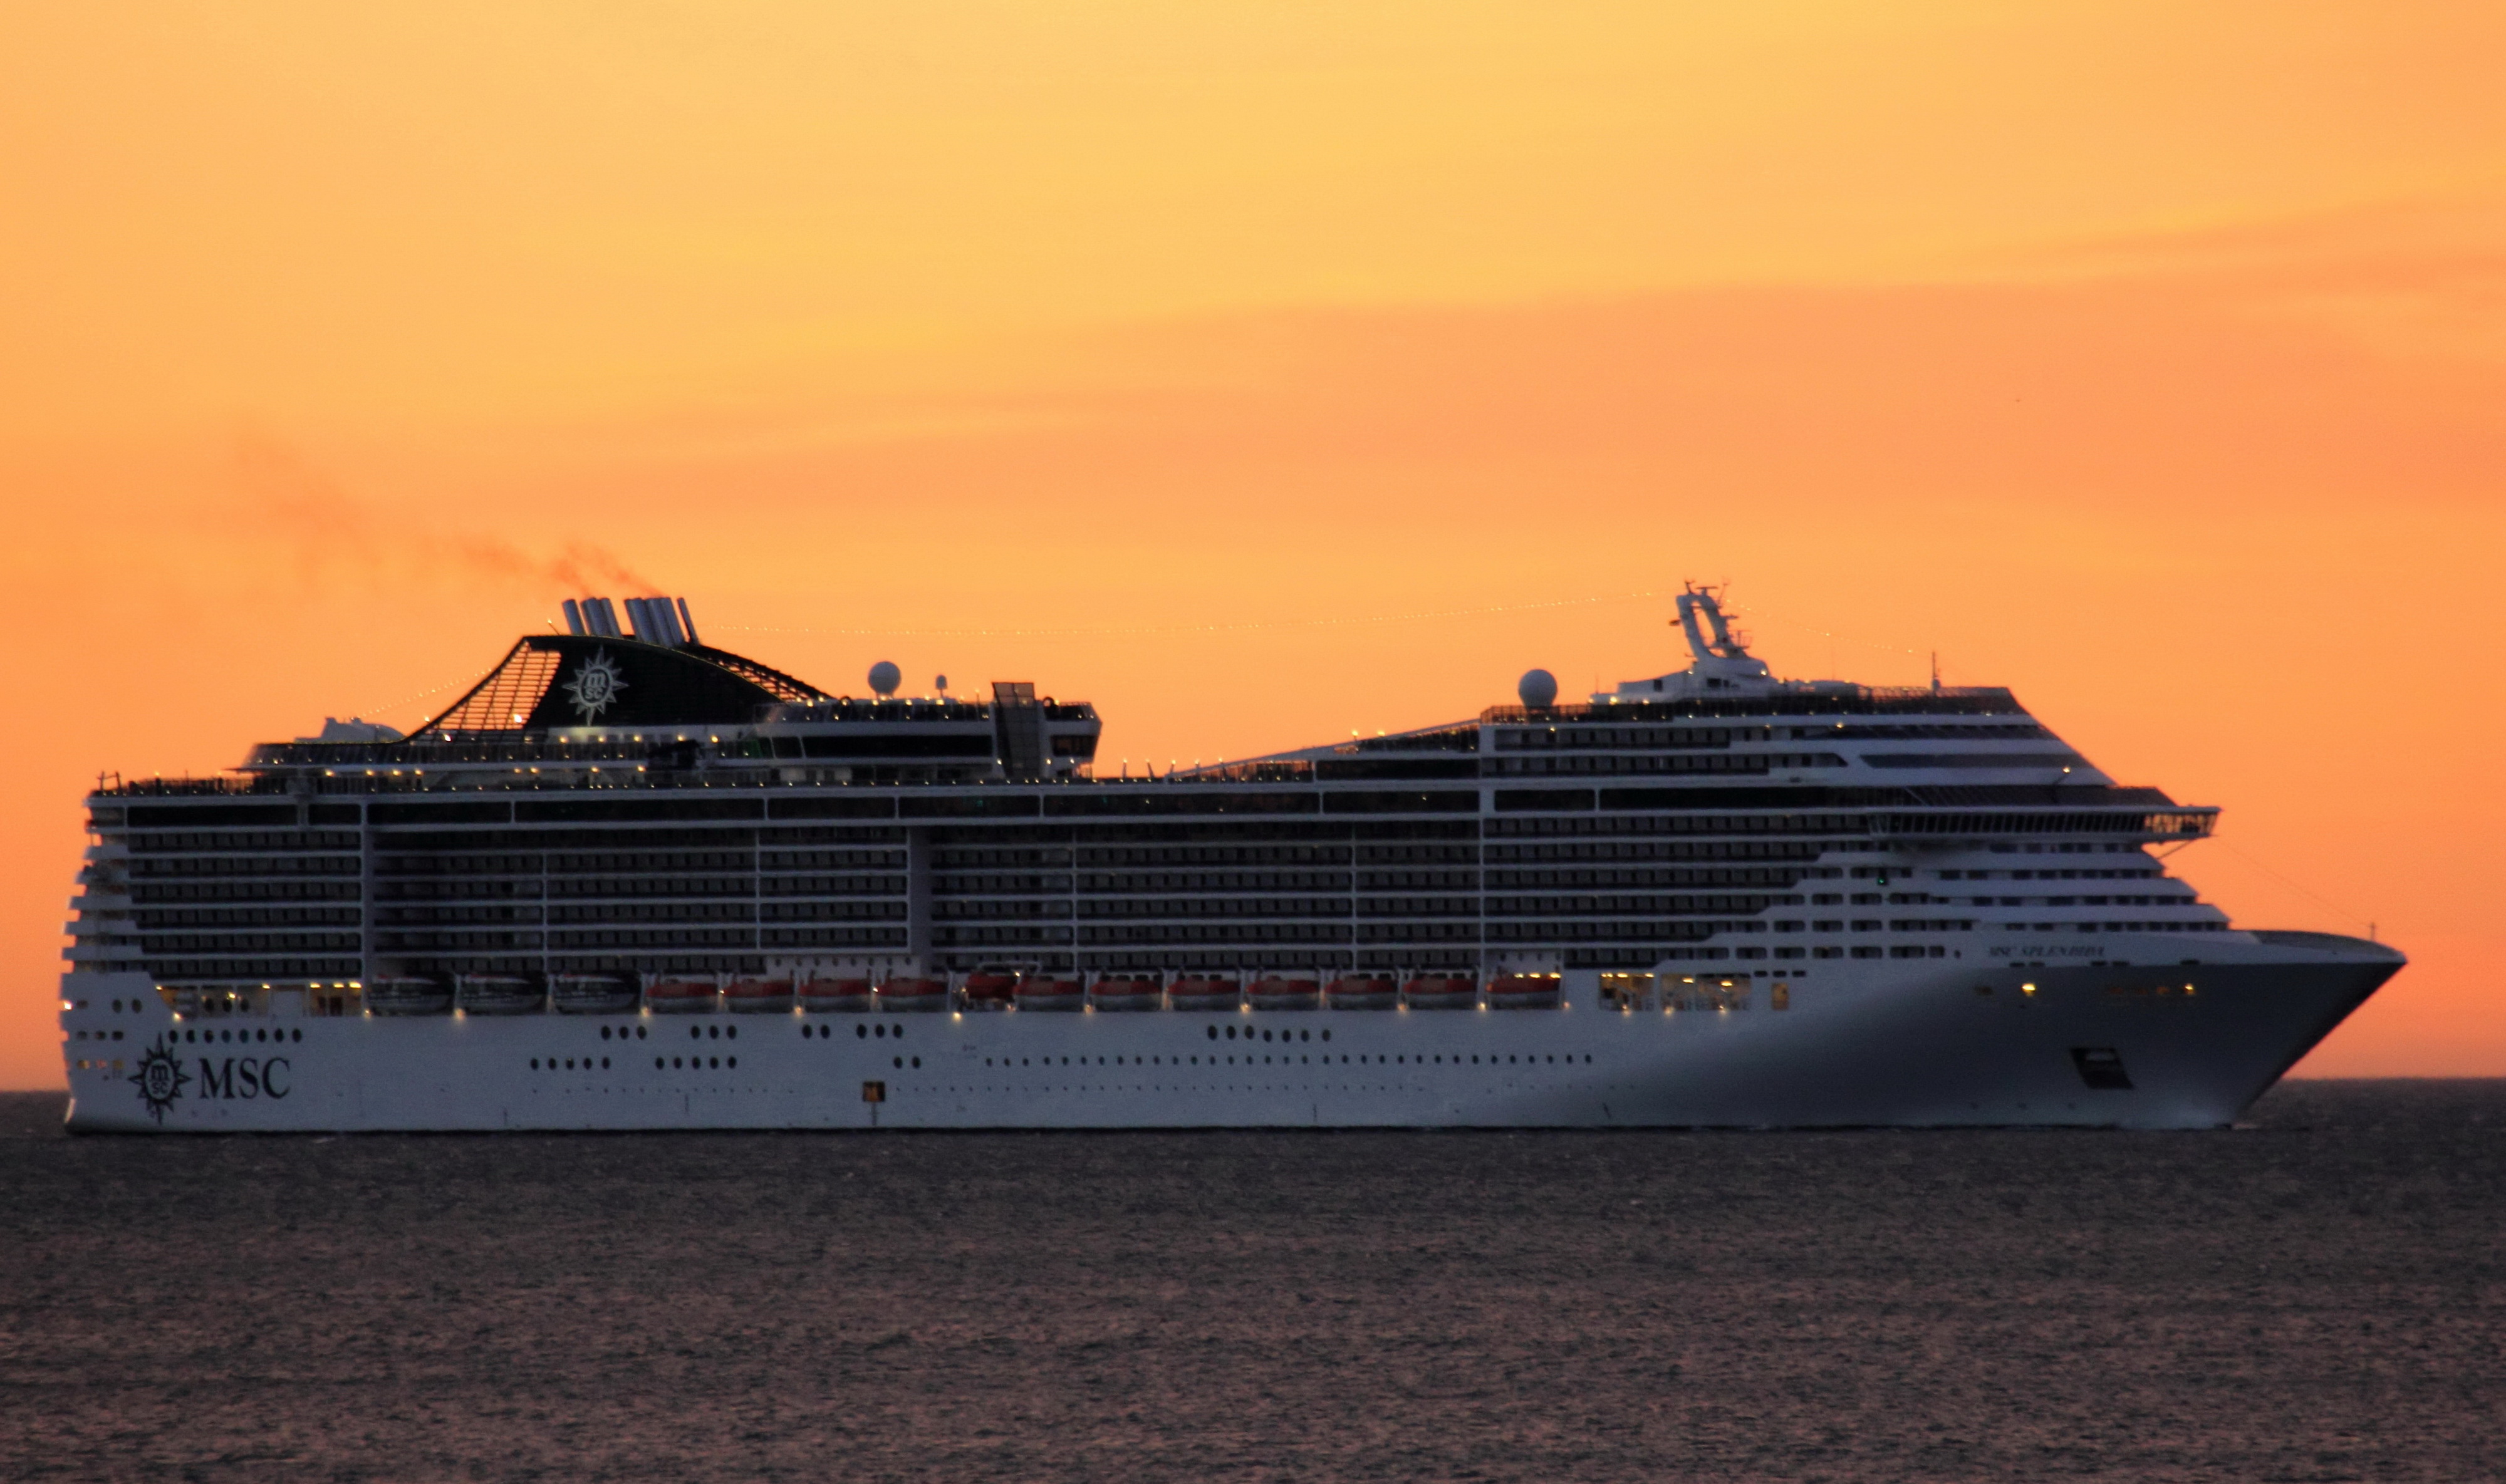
(913, 994)
(408, 995)
(822, 996)
(1525, 992)
(1275, 993)
(682, 995)
(592, 994)
(1049, 992)
(1199, 992)
(758, 997)
(497, 994)
(1358, 992)
(1437, 992)
(1126, 992)
(989, 989)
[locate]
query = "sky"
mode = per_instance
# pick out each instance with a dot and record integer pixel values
(1262, 372)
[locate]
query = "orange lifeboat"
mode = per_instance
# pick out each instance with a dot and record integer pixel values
(1049, 992)
(1272, 992)
(913, 994)
(1200, 992)
(1525, 992)
(822, 996)
(758, 997)
(682, 995)
(1439, 992)
(1358, 992)
(989, 989)
(1126, 992)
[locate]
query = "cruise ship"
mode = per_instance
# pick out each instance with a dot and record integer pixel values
(631, 880)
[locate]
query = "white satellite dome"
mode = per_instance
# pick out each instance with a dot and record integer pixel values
(884, 677)
(1538, 689)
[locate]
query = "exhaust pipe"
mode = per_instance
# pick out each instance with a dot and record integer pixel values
(573, 619)
(687, 625)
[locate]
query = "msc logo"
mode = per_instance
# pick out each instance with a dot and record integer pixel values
(161, 1078)
(246, 1077)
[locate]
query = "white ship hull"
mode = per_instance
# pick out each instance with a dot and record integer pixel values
(1911, 1044)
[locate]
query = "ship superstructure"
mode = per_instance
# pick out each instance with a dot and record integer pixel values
(632, 880)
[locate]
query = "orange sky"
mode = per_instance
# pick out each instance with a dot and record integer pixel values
(2148, 359)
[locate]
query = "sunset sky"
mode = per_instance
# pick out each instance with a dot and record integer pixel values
(1262, 372)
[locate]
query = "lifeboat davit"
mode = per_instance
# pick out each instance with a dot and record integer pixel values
(592, 994)
(758, 997)
(989, 989)
(1361, 993)
(1126, 992)
(1275, 992)
(408, 994)
(823, 996)
(682, 995)
(913, 995)
(1200, 992)
(1435, 992)
(1050, 992)
(1525, 992)
(497, 994)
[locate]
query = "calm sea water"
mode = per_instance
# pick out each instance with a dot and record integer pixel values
(2315, 1298)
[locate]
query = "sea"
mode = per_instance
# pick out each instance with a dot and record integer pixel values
(2317, 1295)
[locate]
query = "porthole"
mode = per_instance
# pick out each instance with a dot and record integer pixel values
(879, 1030)
(731, 1061)
(861, 1033)
(535, 1064)
(714, 1062)
(896, 1031)
(897, 1061)
(261, 1035)
(656, 1064)
(296, 1035)
(604, 1064)
(1266, 1036)
(1230, 1032)
(1214, 1033)
(604, 1033)
(639, 1032)
(732, 1033)
(117, 1006)
(1326, 1034)
(918, 1061)
(696, 1033)
(676, 1062)
(713, 1033)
